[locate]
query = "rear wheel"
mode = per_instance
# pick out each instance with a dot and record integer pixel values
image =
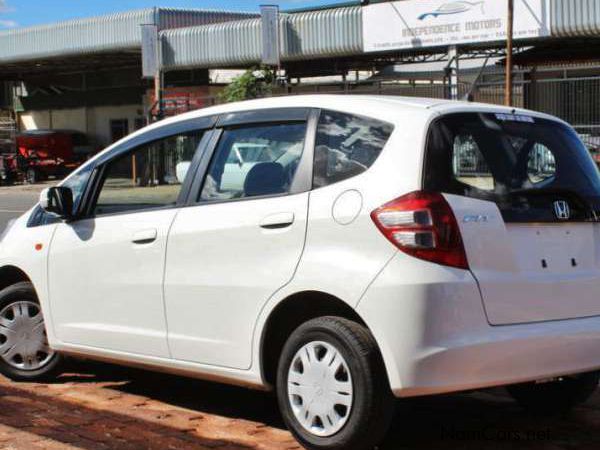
(332, 387)
(555, 396)
(32, 175)
(24, 351)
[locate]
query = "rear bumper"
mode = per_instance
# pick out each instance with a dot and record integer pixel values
(432, 330)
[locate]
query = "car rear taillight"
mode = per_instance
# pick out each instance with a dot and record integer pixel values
(423, 225)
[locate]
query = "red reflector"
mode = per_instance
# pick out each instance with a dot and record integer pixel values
(423, 225)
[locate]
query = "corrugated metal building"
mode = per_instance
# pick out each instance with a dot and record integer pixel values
(575, 18)
(99, 34)
(207, 39)
(305, 35)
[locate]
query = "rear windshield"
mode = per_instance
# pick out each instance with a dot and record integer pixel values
(522, 163)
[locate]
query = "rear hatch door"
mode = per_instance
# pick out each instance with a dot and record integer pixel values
(525, 192)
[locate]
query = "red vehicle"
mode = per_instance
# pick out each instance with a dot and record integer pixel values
(45, 153)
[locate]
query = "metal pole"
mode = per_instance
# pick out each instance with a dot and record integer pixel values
(508, 89)
(158, 95)
(452, 72)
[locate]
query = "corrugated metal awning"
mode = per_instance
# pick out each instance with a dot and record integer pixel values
(113, 32)
(575, 18)
(314, 34)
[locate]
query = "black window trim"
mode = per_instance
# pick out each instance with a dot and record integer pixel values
(260, 116)
(90, 197)
(302, 179)
(212, 126)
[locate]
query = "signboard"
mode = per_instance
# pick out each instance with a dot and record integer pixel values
(270, 35)
(149, 50)
(178, 100)
(414, 24)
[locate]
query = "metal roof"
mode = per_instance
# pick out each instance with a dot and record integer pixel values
(311, 34)
(210, 39)
(111, 32)
(575, 18)
(225, 44)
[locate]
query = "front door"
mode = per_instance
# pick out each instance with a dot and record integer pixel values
(240, 243)
(106, 270)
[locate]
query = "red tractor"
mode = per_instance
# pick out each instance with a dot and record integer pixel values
(44, 153)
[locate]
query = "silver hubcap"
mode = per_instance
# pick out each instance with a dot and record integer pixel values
(320, 389)
(23, 341)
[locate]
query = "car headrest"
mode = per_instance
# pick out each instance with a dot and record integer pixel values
(265, 179)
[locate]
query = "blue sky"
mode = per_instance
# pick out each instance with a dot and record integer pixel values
(20, 13)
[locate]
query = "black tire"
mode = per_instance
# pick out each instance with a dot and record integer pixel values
(25, 292)
(373, 404)
(555, 397)
(32, 176)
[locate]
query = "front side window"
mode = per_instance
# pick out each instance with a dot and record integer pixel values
(346, 146)
(77, 182)
(254, 161)
(147, 177)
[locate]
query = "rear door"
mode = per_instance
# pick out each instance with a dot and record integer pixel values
(525, 192)
(241, 236)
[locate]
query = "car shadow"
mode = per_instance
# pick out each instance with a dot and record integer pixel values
(477, 421)
(198, 395)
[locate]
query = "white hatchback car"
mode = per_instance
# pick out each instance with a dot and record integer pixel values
(379, 247)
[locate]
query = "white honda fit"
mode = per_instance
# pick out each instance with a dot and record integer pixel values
(340, 250)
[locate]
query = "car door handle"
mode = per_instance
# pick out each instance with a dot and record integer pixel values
(280, 220)
(144, 237)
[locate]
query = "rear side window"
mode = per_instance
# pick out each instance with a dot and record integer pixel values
(522, 163)
(346, 146)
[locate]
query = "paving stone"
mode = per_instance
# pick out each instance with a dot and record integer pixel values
(107, 408)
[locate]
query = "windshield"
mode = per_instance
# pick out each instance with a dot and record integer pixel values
(522, 163)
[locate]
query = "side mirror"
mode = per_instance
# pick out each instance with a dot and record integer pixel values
(57, 200)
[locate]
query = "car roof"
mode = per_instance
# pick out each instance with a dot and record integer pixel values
(376, 106)
(385, 108)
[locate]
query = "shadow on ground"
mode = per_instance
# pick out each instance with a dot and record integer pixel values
(478, 421)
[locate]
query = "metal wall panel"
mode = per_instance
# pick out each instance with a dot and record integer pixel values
(327, 33)
(575, 18)
(105, 33)
(315, 34)
(225, 44)
(169, 18)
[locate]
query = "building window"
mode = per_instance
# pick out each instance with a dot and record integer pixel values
(119, 128)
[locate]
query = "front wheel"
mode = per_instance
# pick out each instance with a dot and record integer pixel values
(332, 387)
(556, 396)
(24, 351)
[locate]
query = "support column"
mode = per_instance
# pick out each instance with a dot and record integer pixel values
(508, 89)
(452, 72)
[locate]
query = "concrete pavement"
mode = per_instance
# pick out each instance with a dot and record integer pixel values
(15, 200)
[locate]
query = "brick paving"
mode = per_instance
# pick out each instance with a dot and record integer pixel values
(106, 407)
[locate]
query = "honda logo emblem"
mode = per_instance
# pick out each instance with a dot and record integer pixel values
(562, 210)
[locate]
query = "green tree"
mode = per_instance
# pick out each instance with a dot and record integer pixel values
(254, 83)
